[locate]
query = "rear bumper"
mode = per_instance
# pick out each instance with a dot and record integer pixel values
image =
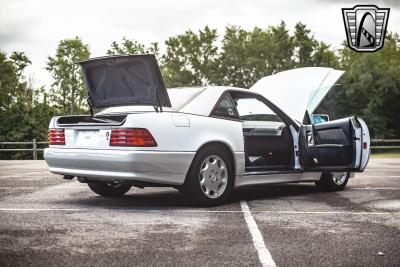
(148, 166)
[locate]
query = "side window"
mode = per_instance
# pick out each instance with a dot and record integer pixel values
(257, 118)
(252, 109)
(225, 108)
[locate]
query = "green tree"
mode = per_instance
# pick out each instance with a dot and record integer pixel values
(323, 56)
(304, 45)
(27, 113)
(281, 55)
(190, 58)
(68, 90)
(372, 86)
(244, 57)
(194, 58)
(132, 47)
(8, 81)
(20, 61)
(247, 56)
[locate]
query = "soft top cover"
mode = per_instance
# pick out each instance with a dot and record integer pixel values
(125, 80)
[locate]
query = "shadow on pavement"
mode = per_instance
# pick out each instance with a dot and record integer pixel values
(265, 192)
(170, 198)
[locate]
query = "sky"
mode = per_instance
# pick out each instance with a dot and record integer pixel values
(36, 26)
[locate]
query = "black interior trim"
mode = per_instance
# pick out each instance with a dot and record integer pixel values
(86, 120)
(327, 146)
(268, 168)
(222, 96)
(332, 169)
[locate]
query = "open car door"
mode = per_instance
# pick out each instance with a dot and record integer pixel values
(339, 145)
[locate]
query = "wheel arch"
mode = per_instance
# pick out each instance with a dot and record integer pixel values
(216, 143)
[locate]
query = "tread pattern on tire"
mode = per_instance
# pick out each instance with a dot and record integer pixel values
(328, 185)
(101, 188)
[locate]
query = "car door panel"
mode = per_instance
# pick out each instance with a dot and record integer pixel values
(268, 146)
(335, 145)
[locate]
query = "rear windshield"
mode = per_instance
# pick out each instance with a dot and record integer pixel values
(179, 97)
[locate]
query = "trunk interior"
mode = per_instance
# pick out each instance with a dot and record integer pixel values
(83, 120)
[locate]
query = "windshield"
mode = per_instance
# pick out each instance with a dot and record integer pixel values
(179, 97)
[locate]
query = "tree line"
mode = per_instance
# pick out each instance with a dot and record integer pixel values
(370, 88)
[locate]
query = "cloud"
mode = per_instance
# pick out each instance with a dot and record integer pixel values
(383, 3)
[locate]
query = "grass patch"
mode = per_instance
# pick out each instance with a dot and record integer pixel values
(386, 155)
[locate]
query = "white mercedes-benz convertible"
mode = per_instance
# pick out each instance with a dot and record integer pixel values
(204, 141)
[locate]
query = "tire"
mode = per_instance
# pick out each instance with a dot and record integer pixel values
(210, 177)
(109, 189)
(333, 181)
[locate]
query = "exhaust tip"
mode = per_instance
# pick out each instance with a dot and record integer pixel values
(68, 177)
(82, 179)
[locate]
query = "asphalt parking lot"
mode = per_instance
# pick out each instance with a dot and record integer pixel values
(45, 220)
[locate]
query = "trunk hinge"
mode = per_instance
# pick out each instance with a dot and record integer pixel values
(157, 104)
(90, 106)
(91, 112)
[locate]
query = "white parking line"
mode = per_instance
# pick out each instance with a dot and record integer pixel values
(44, 187)
(378, 176)
(85, 187)
(258, 241)
(326, 212)
(201, 211)
(39, 209)
(373, 188)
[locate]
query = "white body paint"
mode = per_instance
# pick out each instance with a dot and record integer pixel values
(180, 133)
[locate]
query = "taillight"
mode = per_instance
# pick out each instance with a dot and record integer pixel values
(56, 137)
(132, 137)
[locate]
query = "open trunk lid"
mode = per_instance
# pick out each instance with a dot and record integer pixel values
(125, 80)
(299, 90)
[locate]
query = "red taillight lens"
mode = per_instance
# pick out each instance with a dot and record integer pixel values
(56, 137)
(365, 145)
(131, 137)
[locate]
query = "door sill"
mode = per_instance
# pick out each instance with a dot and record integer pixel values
(247, 173)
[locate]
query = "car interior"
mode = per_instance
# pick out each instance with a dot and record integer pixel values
(267, 138)
(268, 141)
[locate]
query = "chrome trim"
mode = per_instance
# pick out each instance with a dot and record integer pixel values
(250, 179)
(339, 177)
(295, 135)
(271, 172)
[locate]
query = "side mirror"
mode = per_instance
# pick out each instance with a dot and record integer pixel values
(319, 118)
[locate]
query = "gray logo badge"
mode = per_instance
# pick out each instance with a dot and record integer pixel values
(365, 27)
